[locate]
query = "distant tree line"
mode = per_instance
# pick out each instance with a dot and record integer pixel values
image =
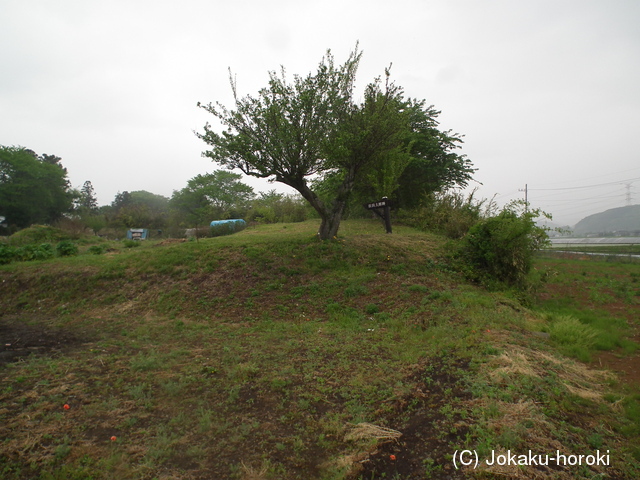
(34, 189)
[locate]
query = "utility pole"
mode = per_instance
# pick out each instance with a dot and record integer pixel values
(526, 197)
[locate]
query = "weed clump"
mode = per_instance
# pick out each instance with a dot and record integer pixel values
(66, 248)
(451, 214)
(501, 248)
(566, 330)
(131, 243)
(97, 249)
(25, 253)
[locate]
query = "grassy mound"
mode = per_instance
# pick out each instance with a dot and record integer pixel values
(271, 355)
(38, 234)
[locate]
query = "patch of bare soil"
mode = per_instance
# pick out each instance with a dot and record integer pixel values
(19, 339)
(432, 426)
(628, 368)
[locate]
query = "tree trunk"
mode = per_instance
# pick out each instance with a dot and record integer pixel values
(331, 218)
(330, 224)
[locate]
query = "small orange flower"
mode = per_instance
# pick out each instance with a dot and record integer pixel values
(392, 457)
(66, 406)
(113, 439)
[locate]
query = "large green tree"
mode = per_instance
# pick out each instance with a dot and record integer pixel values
(87, 203)
(308, 127)
(427, 162)
(138, 209)
(212, 196)
(33, 189)
(435, 163)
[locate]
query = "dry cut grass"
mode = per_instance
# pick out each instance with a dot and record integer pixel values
(525, 419)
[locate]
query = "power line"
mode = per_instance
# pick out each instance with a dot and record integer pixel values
(600, 176)
(618, 182)
(514, 192)
(596, 197)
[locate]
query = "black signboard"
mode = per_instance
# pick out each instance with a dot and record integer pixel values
(381, 204)
(382, 209)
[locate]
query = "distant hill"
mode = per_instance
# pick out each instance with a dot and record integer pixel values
(623, 219)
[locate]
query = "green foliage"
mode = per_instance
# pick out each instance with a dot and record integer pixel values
(425, 164)
(501, 248)
(86, 208)
(213, 196)
(87, 203)
(66, 248)
(97, 249)
(377, 131)
(274, 207)
(38, 234)
(421, 165)
(95, 222)
(128, 243)
(580, 333)
(33, 189)
(574, 337)
(313, 127)
(371, 308)
(138, 209)
(35, 252)
(435, 166)
(7, 254)
(450, 213)
(26, 253)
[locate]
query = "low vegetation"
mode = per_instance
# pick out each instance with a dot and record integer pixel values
(269, 354)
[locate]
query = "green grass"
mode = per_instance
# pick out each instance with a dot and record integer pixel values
(255, 355)
(600, 298)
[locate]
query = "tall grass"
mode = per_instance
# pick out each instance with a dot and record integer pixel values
(449, 213)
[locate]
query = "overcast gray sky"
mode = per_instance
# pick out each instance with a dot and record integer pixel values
(546, 92)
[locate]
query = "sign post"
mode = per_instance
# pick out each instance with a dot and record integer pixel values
(383, 210)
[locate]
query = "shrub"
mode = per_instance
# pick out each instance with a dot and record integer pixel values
(569, 331)
(43, 251)
(573, 337)
(66, 248)
(128, 243)
(450, 213)
(72, 228)
(501, 248)
(97, 249)
(273, 207)
(263, 214)
(27, 253)
(7, 254)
